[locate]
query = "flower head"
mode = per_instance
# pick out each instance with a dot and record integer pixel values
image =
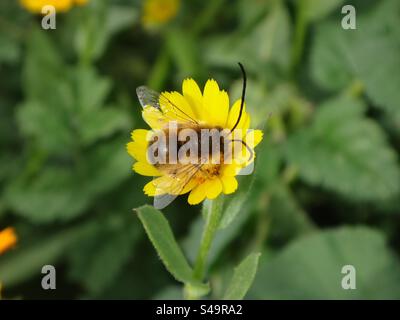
(35, 6)
(156, 12)
(8, 239)
(204, 175)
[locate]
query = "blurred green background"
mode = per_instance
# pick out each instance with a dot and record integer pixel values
(326, 188)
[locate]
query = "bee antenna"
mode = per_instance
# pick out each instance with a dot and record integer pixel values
(243, 96)
(247, 147)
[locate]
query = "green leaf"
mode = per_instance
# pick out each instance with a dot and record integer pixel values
(9, 50)
(311, 267)
(340, 55)
(266, 43)
(7, 121)
(102, 123)
(67, 103)
(381, 80)
(43, 58)
(28, 259)
(269, 156)
(8, 166)
(318, 9)
(256, 101)
(288, 219)
(222, 238)
(329, 58)
(49, 127)
(250, 11)
(169, 293)
(54, 195)
(234, 204)
(91, 89)
(45, 117)
(346, 152)
(243, 278)
(183, 49)
(96, 26)
(105, 166)
(64, 192)
(163, 240)
(99, 257)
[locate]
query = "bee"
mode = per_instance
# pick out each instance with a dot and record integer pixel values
(194, 158)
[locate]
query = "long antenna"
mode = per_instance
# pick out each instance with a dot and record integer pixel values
(243, 96)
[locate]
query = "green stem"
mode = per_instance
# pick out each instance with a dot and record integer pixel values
(299, 37)
(160, 70)
(207, 16)
(263, 223)
(213, 217)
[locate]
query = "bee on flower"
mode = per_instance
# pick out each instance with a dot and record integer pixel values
(197, 143)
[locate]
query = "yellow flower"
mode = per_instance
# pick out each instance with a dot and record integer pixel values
(80, 2)
(209, 109)
(8, 239)
(159, 11)
(35, 6)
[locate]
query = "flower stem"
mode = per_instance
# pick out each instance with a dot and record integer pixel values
(213, 212)
(301, 25)
(207, 16)
(160, 70)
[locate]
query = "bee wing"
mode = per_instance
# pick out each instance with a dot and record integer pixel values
(174, 185)
(150, 98)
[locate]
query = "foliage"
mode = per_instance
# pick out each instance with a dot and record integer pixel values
(326, 187)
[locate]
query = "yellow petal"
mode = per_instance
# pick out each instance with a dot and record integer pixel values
(198, 194)
(234, 115)
(137, 151)
(189, 186)
(213, 187)
(176, 107)
(138, 147)
(193, 96)
(221, 114)
(230, 170)
(154, 117)
(145, 169)
(211, 99)
(157, 186)
(229, 184)
(150, 189)
(253, 138)
(215, 104)
(36, 6)
(140, 135)
(246, 122)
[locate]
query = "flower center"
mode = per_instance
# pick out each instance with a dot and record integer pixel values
(195, 145)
